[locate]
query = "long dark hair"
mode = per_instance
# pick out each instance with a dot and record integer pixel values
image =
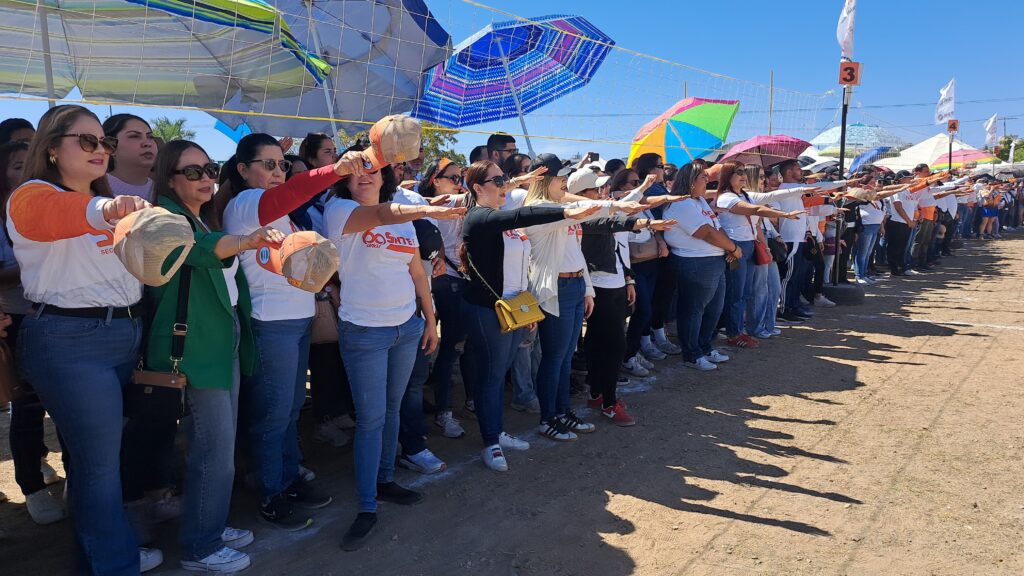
(387, 189)
(248, 149)
(687, 175)
(729, 169)
(513, 165)
(163, 172)
(52, 126)
(645, 164)
(618, 182)
(11, 125)
(7, 152)
(310, 146)
(113, 126)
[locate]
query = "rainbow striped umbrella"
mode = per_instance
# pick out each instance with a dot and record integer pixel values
(155, 52)
(963, 157)
(692, 128)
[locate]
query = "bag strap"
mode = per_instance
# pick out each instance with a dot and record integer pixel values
(180, 328)
(452, 265)
(481, 276)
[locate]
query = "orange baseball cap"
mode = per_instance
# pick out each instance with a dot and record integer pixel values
(152, 244)
(306, 259)
(394, 139)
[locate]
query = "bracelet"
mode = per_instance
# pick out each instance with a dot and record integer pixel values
(239, 238)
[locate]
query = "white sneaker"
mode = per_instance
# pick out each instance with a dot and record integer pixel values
(702, 364)
(44, 508)
(149, 558)
(555, 430)
(345, 422)
(668, 347)
(716, 356)
(450, 427)
(510, 442)
(822, 301)
(804, 301)
(494, 458)
(50, 475)
(652, 352)
(864, 282)
(329, 433)
(306, 474)
(236, 537)
(644, 361)
(633, 368)
(223, 560)
(423, 462)
(913, 272)
(776, 332)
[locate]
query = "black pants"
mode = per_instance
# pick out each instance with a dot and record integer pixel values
(606, 342)
(850, 237)
(328, 382)
(896, 236)
(664, 294)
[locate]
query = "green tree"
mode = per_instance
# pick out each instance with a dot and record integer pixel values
(168, 130)
(439, 142)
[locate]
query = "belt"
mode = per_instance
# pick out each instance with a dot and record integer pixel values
(578, 274)
(133, 311)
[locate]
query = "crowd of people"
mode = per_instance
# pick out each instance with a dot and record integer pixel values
(611, 254)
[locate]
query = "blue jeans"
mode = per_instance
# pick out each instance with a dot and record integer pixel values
(963, 212)
(525, 363)
(79, 367)
(909, 248)
(448, 292)
(700, 301)
(277, 391)
(379, 362)
(412, 427)
(558, 337)
(210, 464)
(646, 275)
(738, 284)
(493, 351)
(862, 251)
(762, 306)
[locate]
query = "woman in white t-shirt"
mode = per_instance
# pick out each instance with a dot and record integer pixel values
(699, 252)
(740, 216)
(132, 164)
(386, 315)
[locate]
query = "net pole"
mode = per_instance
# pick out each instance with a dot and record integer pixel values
(515, 98)
(44, 27)
(326, 84)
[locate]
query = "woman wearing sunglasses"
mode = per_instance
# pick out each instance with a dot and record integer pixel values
(80, 343)
(282, 314)
(218, 301)
(132, 164)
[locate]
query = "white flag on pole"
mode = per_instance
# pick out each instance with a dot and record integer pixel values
(844, 31)
(944, 110)
(1013, 148)
(991, 138)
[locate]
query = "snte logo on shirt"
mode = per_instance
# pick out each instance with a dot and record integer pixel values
(374, 239)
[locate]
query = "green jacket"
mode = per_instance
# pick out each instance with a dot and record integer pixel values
(209, 345)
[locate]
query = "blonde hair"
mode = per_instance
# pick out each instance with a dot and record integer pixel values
(754, 174)
(538, 191)
(52, 126)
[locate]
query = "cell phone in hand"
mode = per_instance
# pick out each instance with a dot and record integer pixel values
(593, 156)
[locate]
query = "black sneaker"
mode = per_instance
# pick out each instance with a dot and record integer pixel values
(555, 429)
(357, 533)
(280, 513)
(392, 492)
(576, 424)
(792, 318)
(303, 495)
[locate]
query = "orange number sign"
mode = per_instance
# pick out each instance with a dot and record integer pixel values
(849, 73)
(953, 126)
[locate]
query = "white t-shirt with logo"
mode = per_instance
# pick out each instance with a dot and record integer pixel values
(871, 214)
(735, 226)
(691, 214)
(376, 287)
(909, 201)
(515, 198)
(572, 258)
(273, 298)
(515, 268)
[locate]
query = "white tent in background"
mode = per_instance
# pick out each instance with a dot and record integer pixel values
(924, 153)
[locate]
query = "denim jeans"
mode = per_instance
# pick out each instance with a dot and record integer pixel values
(494, 352)
(908, 250)
(379, 362)
(765, 302)
(865, 245)
(412, 426)
(448, 292)
(209, 425)
(277, 391)
(26, 431)
(700, 302)
(738, 283)
(79, 367)
(646, 276)
(525, 363)
(964, 213)
(558, 336)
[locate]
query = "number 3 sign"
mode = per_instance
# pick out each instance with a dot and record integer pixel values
(849, 73)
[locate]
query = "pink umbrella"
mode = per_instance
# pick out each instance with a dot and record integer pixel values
(766, 150)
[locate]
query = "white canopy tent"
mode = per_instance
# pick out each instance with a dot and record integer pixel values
(923, 153)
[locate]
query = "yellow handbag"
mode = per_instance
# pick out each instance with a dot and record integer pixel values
(516, 312)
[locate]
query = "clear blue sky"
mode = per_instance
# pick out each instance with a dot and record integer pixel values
(909, 49)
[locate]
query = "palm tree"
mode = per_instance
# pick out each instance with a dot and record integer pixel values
(168, 130)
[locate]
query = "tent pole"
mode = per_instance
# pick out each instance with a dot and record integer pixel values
(840, 219)
(44, 26)
(515, 98)
(326, 85)
(771, 101)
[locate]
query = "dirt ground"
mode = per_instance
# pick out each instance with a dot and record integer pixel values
(878, 439)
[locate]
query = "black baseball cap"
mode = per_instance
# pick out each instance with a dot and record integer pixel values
(902, 174)
(429, 237)
(555, 166)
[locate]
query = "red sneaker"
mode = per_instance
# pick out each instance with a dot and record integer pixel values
(751, 341)
(617, 414)
(596, 403)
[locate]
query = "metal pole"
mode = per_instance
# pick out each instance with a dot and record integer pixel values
(684, 90)
(327, 84)
(950, 166)
(840, 219)
(515, 98)
(44, 27)
(771, 100)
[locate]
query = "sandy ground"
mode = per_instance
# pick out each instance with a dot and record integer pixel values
(879, 439)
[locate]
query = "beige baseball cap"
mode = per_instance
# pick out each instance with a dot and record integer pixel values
(306, 259)
(394, 139)
(152, 244)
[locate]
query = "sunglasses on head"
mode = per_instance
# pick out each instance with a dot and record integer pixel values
(270, 163)
(90, 143)
(194, 172)
(499, 181)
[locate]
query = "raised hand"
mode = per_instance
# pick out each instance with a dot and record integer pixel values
(528, 178)
(444, 212)
(122, 206)
(353, 163)
(628, 207)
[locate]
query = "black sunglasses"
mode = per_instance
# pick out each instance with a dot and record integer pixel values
(633, 182)
(455, 178)
(509, 151)
(659, 166)
(270, 163)
(499, 181)
(90, 143)
(194, 172)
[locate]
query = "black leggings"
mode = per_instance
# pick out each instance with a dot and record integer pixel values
(606, 342)
(896, 236)
(664, 294)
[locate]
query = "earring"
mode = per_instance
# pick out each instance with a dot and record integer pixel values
(53, 159)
